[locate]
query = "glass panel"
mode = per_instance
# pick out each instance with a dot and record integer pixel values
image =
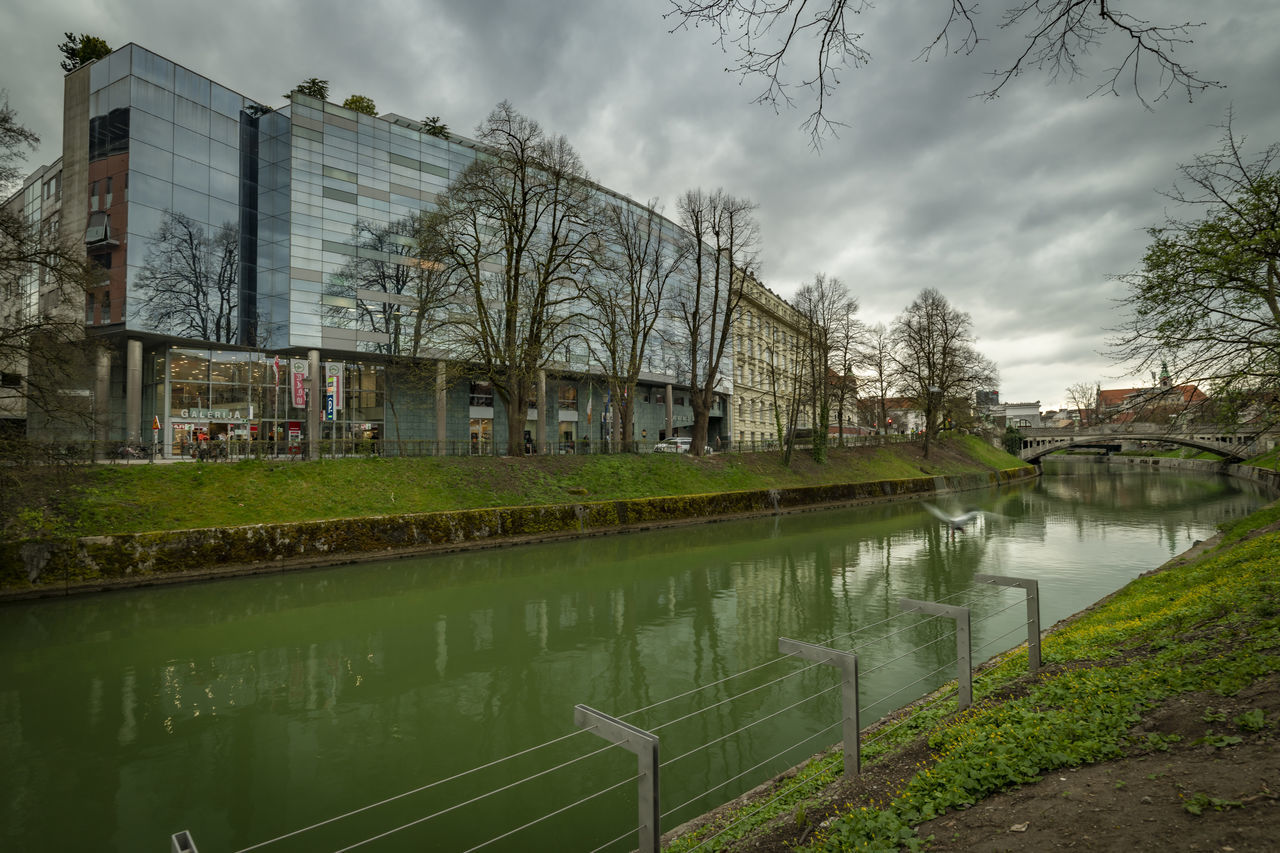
(155, 69)
(189, 364)
(152, 98)
(225, 101)
(223, 212)
(118, 63)
(191, 115)
(191, 174)
(116, 96)
(188, 143)
(224, 130)
(151, 160)
(145, 221)
(99, 76)
(191, 203)
(151, 191)
(224, 157)
(191, 86)
(154, 131)
(223, 186)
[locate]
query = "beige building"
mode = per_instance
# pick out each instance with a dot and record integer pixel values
(765, 364)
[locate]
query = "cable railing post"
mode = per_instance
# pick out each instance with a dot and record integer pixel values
(848, 664)
(963, 650)
(645, 747)
(1032, 589)
(182, 842)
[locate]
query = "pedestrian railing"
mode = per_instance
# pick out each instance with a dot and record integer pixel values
(235, 449)
(951, 646)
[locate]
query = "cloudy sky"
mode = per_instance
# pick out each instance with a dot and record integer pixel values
(1018, 210)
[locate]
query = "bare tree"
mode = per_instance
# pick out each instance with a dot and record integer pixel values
(824, 304)
(43, 281)
(723, 236)
(638, 259)
(189, 283)
(935, 361)
(1055, 34)
(1083, 397)
(518, 227)
(874, 360)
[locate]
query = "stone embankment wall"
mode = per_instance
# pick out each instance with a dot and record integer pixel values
(1208, 466)
(93, 562)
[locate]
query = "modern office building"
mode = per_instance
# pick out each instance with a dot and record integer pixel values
(255, 270)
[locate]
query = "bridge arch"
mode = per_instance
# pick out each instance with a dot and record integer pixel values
(1043, 445)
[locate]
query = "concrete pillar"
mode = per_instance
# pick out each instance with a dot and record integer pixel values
(540, 428)
(314, 404)
(101, 413)
(442, 408)
(132, 390)
(670, 410)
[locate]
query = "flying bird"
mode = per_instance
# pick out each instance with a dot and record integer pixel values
(954, 522)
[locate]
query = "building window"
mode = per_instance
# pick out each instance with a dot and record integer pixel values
(106, 304)
(10, 380)
(567, 397)
(106, 198)
(482, 394)
(93, 195)
(88, 309)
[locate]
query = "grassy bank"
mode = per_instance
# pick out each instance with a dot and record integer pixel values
(137, 498)
(1212, 624)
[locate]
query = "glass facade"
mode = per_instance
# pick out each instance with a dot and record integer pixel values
(231, 230)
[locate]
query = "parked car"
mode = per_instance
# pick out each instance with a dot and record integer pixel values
(680, 444)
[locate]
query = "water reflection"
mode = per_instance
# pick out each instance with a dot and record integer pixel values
(246, 709)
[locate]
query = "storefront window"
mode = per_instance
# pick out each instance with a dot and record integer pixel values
(240, 396)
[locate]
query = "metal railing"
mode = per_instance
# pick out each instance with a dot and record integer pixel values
(645, 742)
(235, 449)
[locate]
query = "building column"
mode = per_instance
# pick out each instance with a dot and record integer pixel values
(540, 428)
(314, 404)
(101, 399)
(442, 407)
(667, 395)
(132, 390)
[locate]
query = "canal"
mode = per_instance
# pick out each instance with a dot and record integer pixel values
(431, 700)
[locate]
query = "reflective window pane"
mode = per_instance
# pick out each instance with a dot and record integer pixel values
(190, 174)
(152, 98)
(191, 115)
(152, 68)
(191, 86)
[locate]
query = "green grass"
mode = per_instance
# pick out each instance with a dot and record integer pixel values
(1213, 624)
(135, 498)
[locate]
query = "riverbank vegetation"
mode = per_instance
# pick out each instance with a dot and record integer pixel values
(1204, 632)
(94, 500)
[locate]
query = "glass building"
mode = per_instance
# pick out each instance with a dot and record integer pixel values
(258, 267)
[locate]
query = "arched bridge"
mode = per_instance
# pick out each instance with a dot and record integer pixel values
(1041, 441)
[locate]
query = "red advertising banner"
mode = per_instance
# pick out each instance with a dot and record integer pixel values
(299, 390)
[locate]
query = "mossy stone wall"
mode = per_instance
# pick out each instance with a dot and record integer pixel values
(146, 557)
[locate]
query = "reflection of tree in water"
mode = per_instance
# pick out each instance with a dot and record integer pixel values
(189, 283)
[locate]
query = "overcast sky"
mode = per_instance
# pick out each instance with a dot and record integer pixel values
(1018, 210)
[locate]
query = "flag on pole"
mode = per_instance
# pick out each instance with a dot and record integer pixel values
(277, 369)
(590, 394)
